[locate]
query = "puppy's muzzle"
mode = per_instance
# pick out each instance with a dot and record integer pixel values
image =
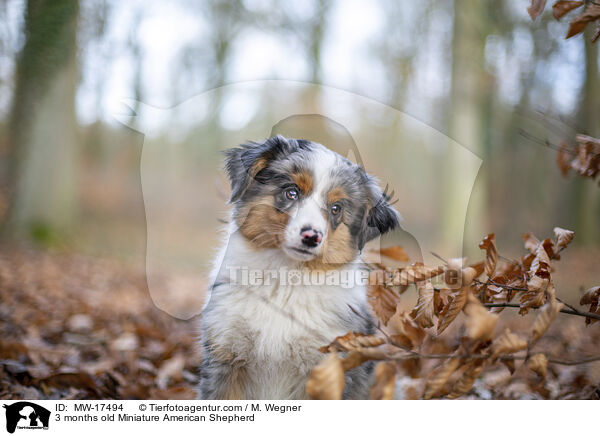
(311, 237)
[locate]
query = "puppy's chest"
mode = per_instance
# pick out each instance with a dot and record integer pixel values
(284, 323)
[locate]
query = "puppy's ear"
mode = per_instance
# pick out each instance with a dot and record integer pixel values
(380, 216)
(246, 161)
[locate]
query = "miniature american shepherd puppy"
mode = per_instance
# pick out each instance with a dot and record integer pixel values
(298, 209)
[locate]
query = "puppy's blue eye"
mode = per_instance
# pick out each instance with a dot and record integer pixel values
(335, 209)
(291, 194)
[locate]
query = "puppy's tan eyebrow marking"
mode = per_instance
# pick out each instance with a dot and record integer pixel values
(304, 181)
(336, 194)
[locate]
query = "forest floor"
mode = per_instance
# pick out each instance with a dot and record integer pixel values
(78, 327)
(82, 328)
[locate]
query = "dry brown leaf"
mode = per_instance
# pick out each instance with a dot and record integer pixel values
(591, 297)
(536, 8)
(383, 301)
(395, 252)
(510, 365)
(352, 341)
(538, 284)
(414, 273)
(587, 162)
(457, 276)
(531, 242)
(563, 159)
(480, 323)
(452, 310)
(537, 294)
(563, 7)
(385, 381)
(579, 23)
(544, 318)
(453, 272)
(404, 331)
(465, 382)
(551, 249)
(479, 268)
(326, 380)
(353, 360)
(438, 378)
(496, 294)
(596, 34)
(538, 363)
(468, 274)
(491, 253)
(540, 265)
(170, 369)
(423, 311)
(563, 237)
(441, 299)
(507, 343)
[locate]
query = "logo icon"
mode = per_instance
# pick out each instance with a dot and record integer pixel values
(26, 415)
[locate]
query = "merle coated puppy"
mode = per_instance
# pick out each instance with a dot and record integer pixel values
(300, 211)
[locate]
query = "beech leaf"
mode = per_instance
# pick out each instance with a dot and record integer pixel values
(326, 380)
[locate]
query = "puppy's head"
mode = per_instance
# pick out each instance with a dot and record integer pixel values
(310, 202)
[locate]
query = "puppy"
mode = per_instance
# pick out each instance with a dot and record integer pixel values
(300, 211)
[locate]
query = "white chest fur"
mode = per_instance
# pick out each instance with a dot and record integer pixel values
(276, 326)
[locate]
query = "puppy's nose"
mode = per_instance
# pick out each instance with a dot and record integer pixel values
(311, 237)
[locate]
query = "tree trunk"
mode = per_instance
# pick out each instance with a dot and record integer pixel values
(43, 134)
(587, 194)
(465, 122)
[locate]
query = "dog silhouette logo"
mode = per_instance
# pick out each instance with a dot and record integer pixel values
(26, 415)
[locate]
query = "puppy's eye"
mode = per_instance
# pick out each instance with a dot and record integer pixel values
(336, 209)
(291, 194)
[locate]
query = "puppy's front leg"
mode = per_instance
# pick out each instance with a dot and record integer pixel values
(221, 377)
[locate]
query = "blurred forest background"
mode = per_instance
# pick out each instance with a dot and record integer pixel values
(481, 73)
(484, 75)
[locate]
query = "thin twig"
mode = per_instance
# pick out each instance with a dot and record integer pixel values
(439, 257)
(567, 311)
(573, 308)
(500, 285)
(556, 360)
(543, 142)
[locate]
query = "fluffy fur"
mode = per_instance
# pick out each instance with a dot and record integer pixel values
(296, 206)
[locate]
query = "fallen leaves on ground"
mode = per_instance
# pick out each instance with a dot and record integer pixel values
(76, 327)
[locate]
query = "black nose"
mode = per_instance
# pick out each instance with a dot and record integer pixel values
(311, 237)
